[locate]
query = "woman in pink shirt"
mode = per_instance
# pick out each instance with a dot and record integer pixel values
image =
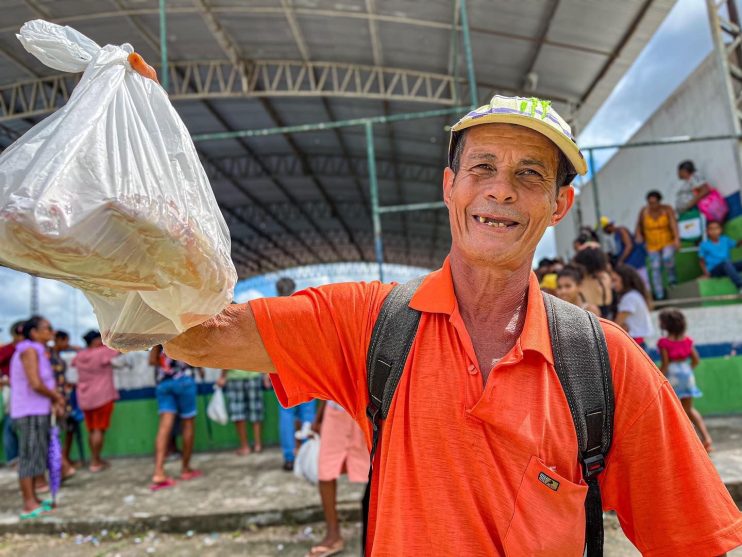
(96, 393)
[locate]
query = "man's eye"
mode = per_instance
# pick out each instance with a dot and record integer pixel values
(484, 166)
(530, 172)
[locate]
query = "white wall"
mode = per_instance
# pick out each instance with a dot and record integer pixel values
(698, 107)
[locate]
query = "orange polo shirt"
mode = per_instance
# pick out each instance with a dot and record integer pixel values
(457, 471)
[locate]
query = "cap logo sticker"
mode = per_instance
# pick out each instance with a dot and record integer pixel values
(551, 483)
(532, 104)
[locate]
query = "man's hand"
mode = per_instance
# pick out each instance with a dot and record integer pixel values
(59, 410)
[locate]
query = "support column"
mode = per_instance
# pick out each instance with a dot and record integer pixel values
(373, 184)
(165, 70)
(728, 57)
(596, 194)
(34, 295)
(473, 96)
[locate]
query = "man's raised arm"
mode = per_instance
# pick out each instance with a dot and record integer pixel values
(229, 340)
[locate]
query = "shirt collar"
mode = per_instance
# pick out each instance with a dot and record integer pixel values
(436, 295)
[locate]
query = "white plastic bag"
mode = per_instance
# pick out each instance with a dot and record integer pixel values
(107, 194)
(306, 464)
(217, 409)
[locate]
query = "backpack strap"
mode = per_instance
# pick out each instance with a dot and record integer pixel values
(584, 370)
(391, 340)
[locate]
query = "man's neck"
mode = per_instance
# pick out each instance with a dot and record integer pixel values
(491, 298)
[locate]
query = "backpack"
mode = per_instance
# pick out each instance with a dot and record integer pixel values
(581, 363)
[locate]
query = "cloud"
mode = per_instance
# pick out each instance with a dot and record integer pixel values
(65, 307)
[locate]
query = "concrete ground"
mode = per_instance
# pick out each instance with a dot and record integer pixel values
(242, 506)
(272, 541)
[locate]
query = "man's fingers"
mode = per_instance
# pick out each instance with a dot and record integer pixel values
(141, 67)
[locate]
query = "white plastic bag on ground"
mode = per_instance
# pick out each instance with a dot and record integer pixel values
(217, 408)
(306, 464)
(107, 194)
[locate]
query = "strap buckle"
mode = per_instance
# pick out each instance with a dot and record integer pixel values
(373, 414)
(592, 466)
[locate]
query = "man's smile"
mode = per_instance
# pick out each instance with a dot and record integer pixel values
(496, 222)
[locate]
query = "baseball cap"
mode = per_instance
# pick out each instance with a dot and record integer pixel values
(533, 113)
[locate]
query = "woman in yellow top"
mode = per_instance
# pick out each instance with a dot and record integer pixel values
(657, 227)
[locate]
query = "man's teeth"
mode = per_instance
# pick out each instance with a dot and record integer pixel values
(490, 222)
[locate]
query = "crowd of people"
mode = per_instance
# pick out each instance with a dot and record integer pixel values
(657, 236)
(620, 276)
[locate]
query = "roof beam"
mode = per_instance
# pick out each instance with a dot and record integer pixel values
(616, 52)
(224, 40)
(314, 12)
(219, 79)
(36, 9)
(331, 165)
(542, 34)
(151, 40)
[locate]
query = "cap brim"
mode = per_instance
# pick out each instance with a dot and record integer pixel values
(563, 143)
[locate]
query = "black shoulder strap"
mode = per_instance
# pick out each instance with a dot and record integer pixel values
(584, 370)
(391, 340)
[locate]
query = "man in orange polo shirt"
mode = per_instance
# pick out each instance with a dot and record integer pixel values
(479, 412)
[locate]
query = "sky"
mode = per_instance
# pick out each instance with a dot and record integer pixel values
(680, 44)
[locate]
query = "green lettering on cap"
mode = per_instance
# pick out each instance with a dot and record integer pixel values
(530, 105)
(545, 105)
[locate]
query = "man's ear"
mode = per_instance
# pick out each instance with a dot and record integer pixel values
(565, 200)
(448, 178)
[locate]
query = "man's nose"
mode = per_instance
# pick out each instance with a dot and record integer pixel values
(501, 188)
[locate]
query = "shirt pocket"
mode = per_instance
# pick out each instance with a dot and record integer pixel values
(549, 517)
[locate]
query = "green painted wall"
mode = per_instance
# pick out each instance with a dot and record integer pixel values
(720, 379)
(134, 426)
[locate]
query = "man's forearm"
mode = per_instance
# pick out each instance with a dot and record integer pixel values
(229, 340)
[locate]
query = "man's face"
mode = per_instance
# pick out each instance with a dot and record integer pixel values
(714, 231)
(609, 228)
(61, 343)
(684, 174)
(504, 195)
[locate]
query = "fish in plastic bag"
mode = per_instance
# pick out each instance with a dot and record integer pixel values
(108, 195)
